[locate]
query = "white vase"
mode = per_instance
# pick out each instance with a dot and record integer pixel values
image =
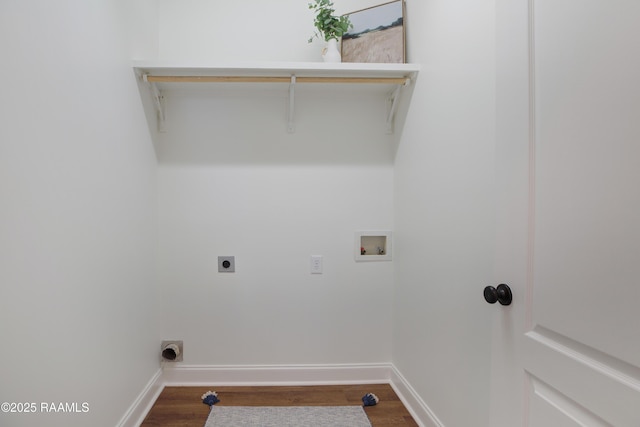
(331, 53)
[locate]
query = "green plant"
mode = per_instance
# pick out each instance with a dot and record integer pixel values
(328, 25)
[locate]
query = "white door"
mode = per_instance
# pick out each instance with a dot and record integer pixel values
(567, 351)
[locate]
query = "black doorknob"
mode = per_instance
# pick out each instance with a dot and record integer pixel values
(501, 294)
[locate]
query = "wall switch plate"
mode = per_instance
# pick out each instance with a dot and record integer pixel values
(316, 264)
(226, 264)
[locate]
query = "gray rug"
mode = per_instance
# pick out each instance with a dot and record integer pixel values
(287, 416)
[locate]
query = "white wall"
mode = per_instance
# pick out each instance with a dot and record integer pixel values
(444, 175)
(234, 182)
(246, 30)
(78, 304)
(272, 311)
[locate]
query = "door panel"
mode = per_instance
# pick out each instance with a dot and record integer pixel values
(590, 380)
(577, 355)
(549, 407)
(587, 154)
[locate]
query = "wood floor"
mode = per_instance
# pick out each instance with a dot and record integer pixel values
(183, 407)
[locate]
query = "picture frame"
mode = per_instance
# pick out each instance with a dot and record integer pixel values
(377, 36)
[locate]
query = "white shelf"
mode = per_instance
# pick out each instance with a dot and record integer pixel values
(393, 81)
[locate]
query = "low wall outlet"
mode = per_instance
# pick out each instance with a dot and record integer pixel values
(226, 264)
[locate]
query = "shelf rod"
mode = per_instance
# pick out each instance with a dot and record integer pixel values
(274, 79)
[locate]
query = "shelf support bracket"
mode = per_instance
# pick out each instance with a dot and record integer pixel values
(158, 101)
(392, 105)
(291, 128)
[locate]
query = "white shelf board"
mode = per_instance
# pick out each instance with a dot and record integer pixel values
(279, 69)
(291, 71)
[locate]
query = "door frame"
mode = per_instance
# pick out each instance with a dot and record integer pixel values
(515, 210)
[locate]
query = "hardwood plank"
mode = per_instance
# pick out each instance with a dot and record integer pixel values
(182, 406)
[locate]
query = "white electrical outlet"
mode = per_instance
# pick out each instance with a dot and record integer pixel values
(316, 264)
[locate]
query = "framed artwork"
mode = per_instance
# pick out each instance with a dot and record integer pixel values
(377, 35)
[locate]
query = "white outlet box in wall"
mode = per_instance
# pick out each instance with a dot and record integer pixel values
(372, 245)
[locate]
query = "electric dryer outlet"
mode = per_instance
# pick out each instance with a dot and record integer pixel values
(226, 264)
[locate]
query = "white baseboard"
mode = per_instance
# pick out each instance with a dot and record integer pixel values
(419, 410)
(277, 374)
(214, 375)
(143, 403)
